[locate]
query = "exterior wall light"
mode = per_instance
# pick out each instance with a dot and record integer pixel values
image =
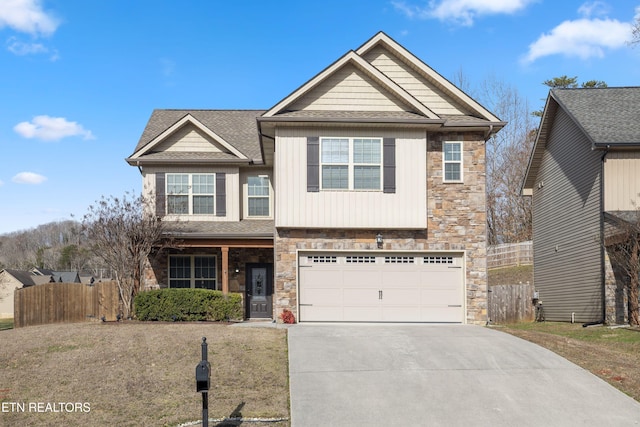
(379, 240)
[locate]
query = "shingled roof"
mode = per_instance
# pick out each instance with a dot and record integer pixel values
(608, 116)
(236, 127)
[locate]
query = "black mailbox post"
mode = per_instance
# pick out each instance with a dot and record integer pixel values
(203, 382)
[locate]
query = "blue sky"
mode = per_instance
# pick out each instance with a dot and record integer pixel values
(79, 79)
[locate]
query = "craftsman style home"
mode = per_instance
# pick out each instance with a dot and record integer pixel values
(584, 177)
(358, 197)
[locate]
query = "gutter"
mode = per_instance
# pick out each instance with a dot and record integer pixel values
(602, 245)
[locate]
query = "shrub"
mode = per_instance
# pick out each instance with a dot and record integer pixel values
(287, 317)
(187, 305)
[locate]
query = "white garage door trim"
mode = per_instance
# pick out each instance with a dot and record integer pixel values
(381, 286)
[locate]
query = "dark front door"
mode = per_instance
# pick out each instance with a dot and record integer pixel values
(259, 288)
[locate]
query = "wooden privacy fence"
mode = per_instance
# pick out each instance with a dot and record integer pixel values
(511, 303)
(510, 254)
(65, 303)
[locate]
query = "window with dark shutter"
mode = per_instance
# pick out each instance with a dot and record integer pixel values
(221, 196)
(160, 195)
(313, 164)
(389, 166)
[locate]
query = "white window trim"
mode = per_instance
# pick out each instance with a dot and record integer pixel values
(192, 279)
(460, 162)
(247, 197)
(351, 165)
(190, 193)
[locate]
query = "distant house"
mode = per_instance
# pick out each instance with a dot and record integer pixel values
(10, 280)
(360, 196)
(583, 175)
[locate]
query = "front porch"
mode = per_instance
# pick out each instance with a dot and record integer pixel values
(242, 266)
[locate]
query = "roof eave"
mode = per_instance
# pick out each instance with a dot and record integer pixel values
(146, 162)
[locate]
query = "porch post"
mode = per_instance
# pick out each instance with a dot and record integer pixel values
(225, 269)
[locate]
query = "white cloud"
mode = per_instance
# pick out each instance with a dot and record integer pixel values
(51, 129)
(27, 16)
(29, 178)
(461, 11)
(594, 8)
(583, 38)
(19, 48)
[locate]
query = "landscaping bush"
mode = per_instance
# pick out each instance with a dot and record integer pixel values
(187, 305)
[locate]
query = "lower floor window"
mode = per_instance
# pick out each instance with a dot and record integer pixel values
(192, 271)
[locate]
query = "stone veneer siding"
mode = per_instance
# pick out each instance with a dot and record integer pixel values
(456, 221)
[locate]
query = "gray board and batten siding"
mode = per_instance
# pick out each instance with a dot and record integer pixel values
(567, 249)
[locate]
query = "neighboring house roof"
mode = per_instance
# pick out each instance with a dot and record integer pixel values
(609, 118)
(24, 277)
(66, 277)
(408, 92)
(234, 131)
(246, 228)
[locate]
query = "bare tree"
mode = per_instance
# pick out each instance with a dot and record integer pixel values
(123, 234)
(623, 246)
(508, 214)
(635, 31)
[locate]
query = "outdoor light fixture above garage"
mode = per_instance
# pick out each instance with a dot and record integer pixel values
(379, 240)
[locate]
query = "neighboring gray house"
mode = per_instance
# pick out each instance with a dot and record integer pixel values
(360, 196)
(584, 171)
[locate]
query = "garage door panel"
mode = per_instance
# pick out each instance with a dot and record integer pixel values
(442, 296)
(363, 278)
(359, 297)
(362, 314)
(322, 278)
(402, 296)
(399, 278)
(441, 314)
(321, 296)
(321, 314)
(401, 314)
(442, 279)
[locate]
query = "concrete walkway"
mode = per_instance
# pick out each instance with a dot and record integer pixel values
(441, 375)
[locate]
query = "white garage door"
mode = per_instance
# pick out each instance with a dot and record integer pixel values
(391, 287)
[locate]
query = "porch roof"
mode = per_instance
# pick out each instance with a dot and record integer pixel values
(244, 229)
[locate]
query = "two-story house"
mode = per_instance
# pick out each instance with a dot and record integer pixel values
(584, 177)
(358, 197)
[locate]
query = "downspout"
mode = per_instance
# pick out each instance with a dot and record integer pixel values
(602, 246)
(139, 167)
(487, 134)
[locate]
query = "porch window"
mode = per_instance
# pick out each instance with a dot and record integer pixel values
(258, 195)
(351, 163)
(189, 194)
(452, 161)
(192, 271)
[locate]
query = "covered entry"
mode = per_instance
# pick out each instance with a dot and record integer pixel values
(381, 287)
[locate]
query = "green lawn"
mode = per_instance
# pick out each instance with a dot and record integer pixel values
(6, 324)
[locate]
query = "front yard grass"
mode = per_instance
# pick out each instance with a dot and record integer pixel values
(136, 373)
(613, 354)
(6, 324)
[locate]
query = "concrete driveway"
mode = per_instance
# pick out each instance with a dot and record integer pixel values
(441, 375)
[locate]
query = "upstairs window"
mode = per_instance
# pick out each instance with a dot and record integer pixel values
(351, 163)
(258, 195)
(452, 161)
(190, 194)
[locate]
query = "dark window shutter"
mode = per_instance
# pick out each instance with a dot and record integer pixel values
(221, 196)
(389, 167)
(160, 195)
(313, 164)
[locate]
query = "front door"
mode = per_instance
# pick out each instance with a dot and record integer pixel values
(259, 288)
